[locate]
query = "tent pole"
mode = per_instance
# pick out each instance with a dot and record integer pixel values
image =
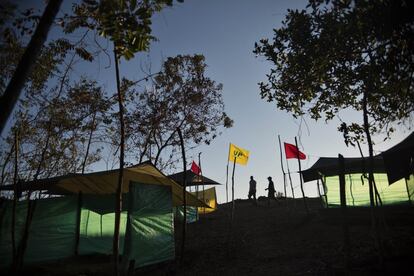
(408, 190)
(78, 221)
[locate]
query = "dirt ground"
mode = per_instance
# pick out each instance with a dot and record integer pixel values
(283, 239)
(277, 239)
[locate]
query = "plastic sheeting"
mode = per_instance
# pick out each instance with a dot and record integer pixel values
(209, 197)
(192, 214)
(97, 225)
(146, 235)
(150, 237)
(357, 191)
(52, 231)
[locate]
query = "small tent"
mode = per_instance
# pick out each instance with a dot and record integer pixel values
(209, 197)
(192, 179)
(81, 219)
(326, 172)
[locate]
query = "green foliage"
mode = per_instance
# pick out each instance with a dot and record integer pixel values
(328, 57)
(126, 23)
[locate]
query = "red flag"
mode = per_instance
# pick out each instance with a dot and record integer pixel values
(195, 168)
(291, 151)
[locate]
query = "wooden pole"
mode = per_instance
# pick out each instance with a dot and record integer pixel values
(202, 180)
(232, 190)
(281, 165)
(227, 176)
(78, 222)
(345, 228)
(290, 179)
(300, 177)
(184, 194)
(118, 200)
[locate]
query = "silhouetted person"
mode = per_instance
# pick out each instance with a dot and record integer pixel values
(270, 189)
(252, 189)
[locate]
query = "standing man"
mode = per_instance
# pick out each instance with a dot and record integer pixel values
(270, 190)
(252, 189)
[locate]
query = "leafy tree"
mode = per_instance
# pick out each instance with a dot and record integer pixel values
(344, 54)
(181, 96)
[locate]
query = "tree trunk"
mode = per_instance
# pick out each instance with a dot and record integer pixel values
(370, 150)
(184, 194)
(118, 201)
(15, 86)
(345, 228)
(375, 228)
(15, 193)
(89, 143)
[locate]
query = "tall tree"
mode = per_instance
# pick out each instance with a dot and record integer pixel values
(179, 96)
(344, 54)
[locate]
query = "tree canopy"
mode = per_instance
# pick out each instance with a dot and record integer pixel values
(336, 54)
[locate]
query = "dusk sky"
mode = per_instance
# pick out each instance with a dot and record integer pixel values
(225, 33)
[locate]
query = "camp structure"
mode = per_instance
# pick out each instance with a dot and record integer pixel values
(208, 196)
(399, 161)
(80, 220)
(326, 172)
(192, 179)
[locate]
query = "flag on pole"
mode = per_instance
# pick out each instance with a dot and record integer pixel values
(195, 168)
(241, 155)
(292, 151)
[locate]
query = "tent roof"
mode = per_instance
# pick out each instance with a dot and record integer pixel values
(192, 179)
(105, 182)
(398, 159)
(328, 166)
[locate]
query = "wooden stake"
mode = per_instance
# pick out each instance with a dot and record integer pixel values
(300, 177)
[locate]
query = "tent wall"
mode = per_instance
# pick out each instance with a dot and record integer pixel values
(150, 237)
(52, 231)
(5, 229)
(209, 197)
(97, 225)
(357, 191)
(146, 232)
(192, 214)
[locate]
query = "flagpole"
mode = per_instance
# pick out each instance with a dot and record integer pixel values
(232, 190)
(300, 176)
(202, 179)
(227, 175)
(290, 178)
(281, 164)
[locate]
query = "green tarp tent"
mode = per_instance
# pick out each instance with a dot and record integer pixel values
(326, 172)
(147, 222)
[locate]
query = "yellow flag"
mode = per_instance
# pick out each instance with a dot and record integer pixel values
(241, 155)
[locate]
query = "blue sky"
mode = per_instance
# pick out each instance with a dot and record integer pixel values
(225, 33)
